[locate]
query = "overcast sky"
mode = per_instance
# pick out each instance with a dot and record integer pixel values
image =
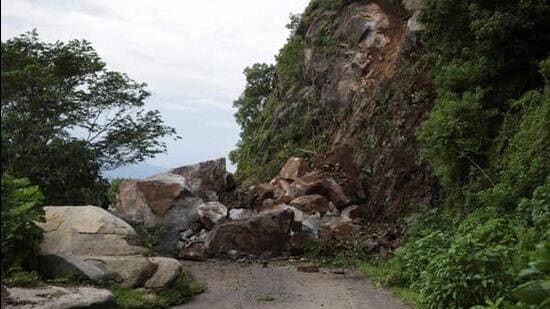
(191, 53)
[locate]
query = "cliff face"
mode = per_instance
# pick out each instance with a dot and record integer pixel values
(358, 97)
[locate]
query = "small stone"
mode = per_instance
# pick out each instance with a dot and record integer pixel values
(303, 259)
(308, 269)
(338, 271)
(233, 254)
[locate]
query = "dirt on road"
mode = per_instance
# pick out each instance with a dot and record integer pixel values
(234, 285)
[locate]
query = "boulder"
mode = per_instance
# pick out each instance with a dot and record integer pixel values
(212, 213)
(168, 201)
(93, 242)
(167, 272)
(128, 271)
(311, 204)
(183, 216)
(54, 297)
(338, 228)
(265, 233)
(264, 191)
(205, 179)
(299, 215)
(316, 183)
(240, 214)
(87, 231)
(57, 265)
(147, 201)
(294, 168)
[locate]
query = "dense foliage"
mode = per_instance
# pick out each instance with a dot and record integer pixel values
(65, 117)
(488, 140)
(261, 111)
(20, 235)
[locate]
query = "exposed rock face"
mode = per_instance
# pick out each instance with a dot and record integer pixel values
(212, 213)
(266, 233)
(53, 297)
(356, 61)
(94, 242)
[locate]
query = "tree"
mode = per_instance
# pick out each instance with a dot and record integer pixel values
(259, 86)
(65, 117)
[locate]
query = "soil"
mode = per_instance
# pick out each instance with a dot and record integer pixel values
(280, 285)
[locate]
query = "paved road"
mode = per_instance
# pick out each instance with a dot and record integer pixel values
(233, 285)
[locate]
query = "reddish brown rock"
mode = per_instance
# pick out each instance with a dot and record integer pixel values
(294, 168)
(264, 191)
(338, 229)
(311, 204)
(160, 196)
(316, 183)
(265, 233)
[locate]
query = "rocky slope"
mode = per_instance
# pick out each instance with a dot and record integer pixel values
(357, 99)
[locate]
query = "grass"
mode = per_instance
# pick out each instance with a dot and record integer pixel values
(182, 291)
(383, 274)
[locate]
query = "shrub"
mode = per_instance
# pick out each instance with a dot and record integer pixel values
(20, 235)
(536, 291)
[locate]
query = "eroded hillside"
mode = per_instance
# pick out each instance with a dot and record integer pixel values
(348, 78)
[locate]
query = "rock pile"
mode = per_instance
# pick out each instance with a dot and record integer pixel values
(270, 219)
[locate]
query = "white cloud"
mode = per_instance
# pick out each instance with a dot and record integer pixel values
(191, 53)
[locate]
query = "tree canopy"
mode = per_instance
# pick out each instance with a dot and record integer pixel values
(65, 117)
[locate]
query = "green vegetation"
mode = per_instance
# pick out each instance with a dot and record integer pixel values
(20, 235)
(113, 189)
(182, 291)
(488, 141)
(18, 277)
(65, 117)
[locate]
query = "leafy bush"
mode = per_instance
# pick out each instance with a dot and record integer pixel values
(536, 291)
(20, 235)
